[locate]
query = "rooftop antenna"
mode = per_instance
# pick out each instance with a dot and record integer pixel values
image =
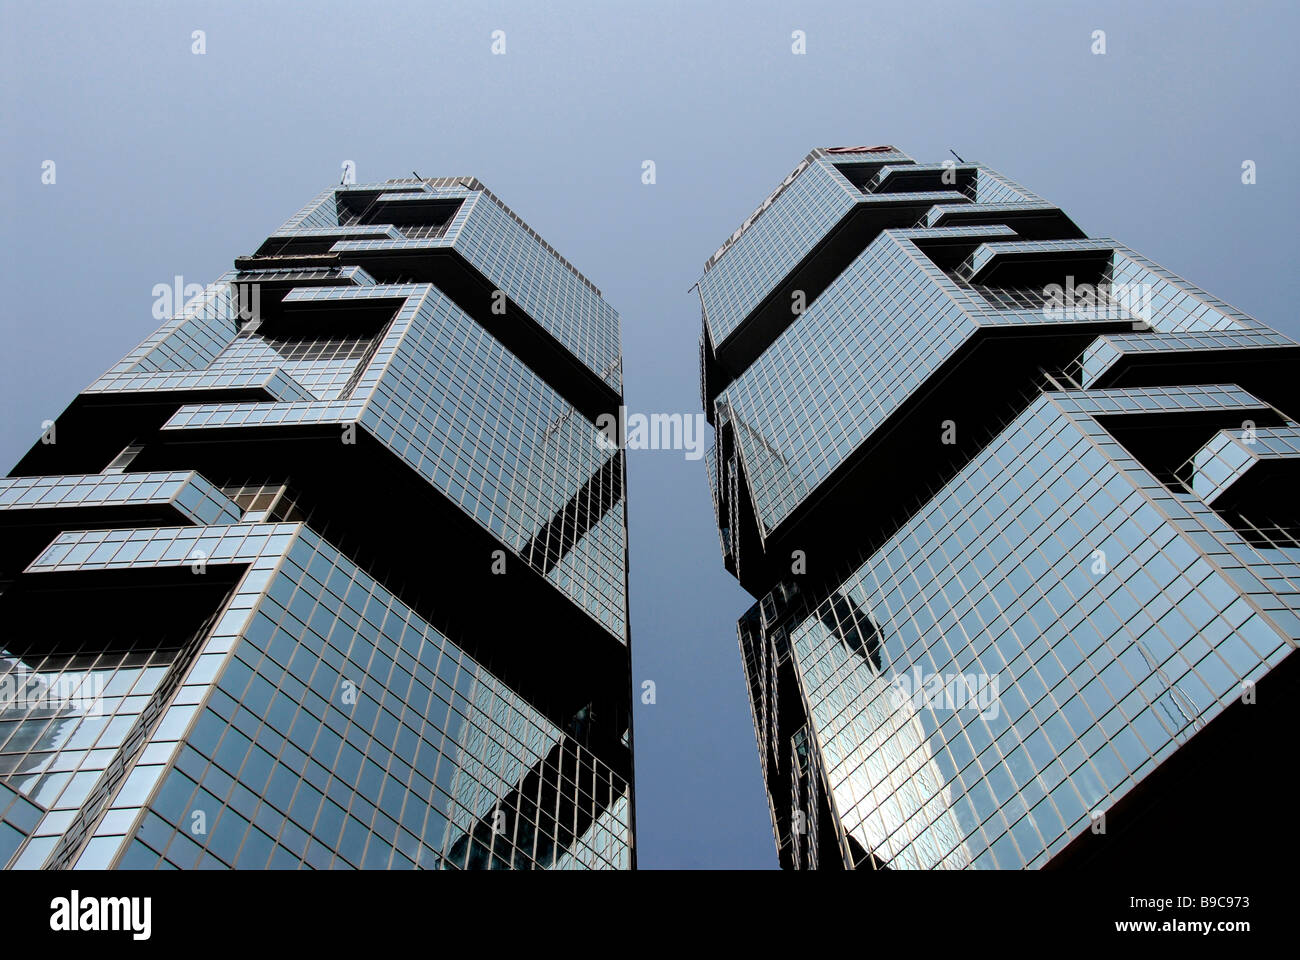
(954, 153)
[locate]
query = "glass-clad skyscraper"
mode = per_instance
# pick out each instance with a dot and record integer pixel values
(1019, 506)
(330, 571)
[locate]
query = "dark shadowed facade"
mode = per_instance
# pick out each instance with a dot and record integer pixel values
(330, 571)
(1020, 509)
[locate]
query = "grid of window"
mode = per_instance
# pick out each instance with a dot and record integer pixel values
(343, 231)
(467, 186)
(344, 731)
(398, 723)
(1230, 454)
(986, 253)
(322, 211)
(1118, 610)
(1176, 306)
(940, 213)
(772, 246)
(1102, 674)
(515, 260)
(197, 416)
(551, 293)
(865, 345)
(991, 187)
(335, 274)
(63, 717)
(496, 439)
(274, 380)
(194, 335)
(868, 342)
(905, 176)
(191, 494)
(259, 501)
(1105, 353)
(321, 365)
(434, 750)
(469, 416)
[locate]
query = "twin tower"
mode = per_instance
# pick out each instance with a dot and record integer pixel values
(331, 570)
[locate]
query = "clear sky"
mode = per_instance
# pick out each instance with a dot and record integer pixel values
(170, 163)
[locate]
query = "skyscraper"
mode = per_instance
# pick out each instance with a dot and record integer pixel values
(1019, 506)
(330, 571)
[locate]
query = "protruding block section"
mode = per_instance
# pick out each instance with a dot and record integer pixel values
(1254, 468)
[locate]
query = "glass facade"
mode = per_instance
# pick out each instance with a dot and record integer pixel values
(330, 571)
(1019, 506)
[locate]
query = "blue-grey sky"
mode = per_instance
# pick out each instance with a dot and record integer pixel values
(170, 163)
